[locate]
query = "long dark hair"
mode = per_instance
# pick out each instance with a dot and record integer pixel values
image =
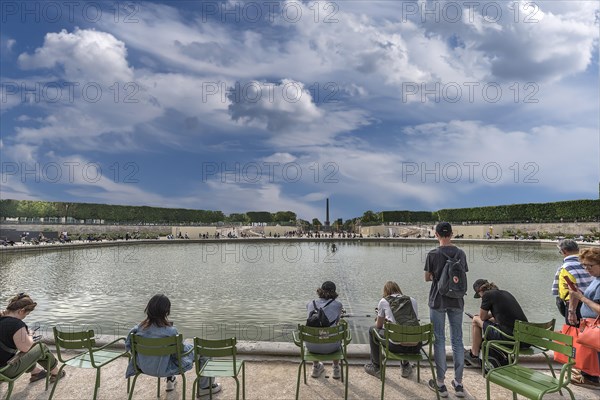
(157, 311)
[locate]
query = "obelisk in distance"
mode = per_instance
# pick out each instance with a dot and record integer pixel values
(327, 214)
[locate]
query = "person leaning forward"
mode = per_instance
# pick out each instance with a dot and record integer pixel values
(500, 309)
(15, 337)
(441, 305)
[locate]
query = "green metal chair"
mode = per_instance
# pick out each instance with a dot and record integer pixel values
(333, 334)
(526, 381)
(11, 381)
(159, 347)
(507, 346)
(90, 357)
(231, 366)
(406, 334)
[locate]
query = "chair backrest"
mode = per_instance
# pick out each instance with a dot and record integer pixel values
(408, 334)
(545, 325)
(73, 340)
(332, 334)
(166, 346)
(542, 337)
(215, 348)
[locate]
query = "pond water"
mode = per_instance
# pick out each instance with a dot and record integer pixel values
(255, 290)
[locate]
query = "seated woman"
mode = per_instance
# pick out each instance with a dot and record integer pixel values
(157, 325)
(15, 337)
(333, 310)
(396, 308)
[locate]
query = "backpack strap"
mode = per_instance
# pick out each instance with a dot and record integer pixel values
(328, 303)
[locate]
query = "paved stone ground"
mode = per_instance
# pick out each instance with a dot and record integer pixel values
(271, 378)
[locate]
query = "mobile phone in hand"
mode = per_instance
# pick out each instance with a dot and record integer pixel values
(571, 285)
(469, 315)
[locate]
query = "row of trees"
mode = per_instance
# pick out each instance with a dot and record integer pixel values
(580, 210)
(132, 214)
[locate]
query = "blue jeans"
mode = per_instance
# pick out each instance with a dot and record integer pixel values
(438, 319)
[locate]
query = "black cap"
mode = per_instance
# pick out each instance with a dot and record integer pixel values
(328, 286)
(443, 229)
(477, 285)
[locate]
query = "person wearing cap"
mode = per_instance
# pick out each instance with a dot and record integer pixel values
(15, 337)
(572, 270)
(327, 294)
(441, 306)
(500, 309)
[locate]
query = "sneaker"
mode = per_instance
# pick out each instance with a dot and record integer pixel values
(407, 369)
(318, 369)
(216, 388)
(471, 360)
(373, 370)
(458, 388)
(337, 371)
(171, 383)
(441, 389)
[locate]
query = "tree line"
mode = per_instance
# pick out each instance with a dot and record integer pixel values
(567, 211)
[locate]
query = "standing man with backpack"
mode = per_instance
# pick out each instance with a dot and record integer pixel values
(446, 268)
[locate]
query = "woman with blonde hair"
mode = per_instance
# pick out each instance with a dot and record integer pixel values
(396, 308)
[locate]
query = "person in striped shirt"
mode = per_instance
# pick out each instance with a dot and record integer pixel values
(572, 270)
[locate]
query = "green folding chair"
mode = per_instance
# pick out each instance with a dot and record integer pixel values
(227, 365)
(507, 346)
(406, 334)
(333, 334)
(11, 381)
(89, 357)
(159, 347)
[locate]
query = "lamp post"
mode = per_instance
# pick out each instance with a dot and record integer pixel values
(66, 213)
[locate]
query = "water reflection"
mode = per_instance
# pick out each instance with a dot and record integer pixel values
(256, 291)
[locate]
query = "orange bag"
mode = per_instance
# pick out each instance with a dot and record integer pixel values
(589, 333)
(586, 359)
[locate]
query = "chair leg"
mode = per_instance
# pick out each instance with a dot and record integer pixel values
(487, 389)
(345, 383)
(10, 389)
(382, 372)
(237, 388)
(243, 381)
(97, 383)
(298, 382)
(194, 384)
(437, 392)
(158, 388)
(56, 381)
(132, 386)
(418, 371)
(183, 387)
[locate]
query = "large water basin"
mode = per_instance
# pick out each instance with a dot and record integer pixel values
(255, 290)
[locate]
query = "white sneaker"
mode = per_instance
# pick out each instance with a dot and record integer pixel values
(317, 370)
(337, 371)
(216, 388)
(171, 383)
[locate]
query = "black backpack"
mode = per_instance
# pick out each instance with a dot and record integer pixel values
(317, 317)
(453, 279)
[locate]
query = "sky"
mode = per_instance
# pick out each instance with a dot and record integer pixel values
(277, 105)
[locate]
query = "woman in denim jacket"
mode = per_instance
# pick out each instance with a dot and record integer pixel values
(157, 325)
